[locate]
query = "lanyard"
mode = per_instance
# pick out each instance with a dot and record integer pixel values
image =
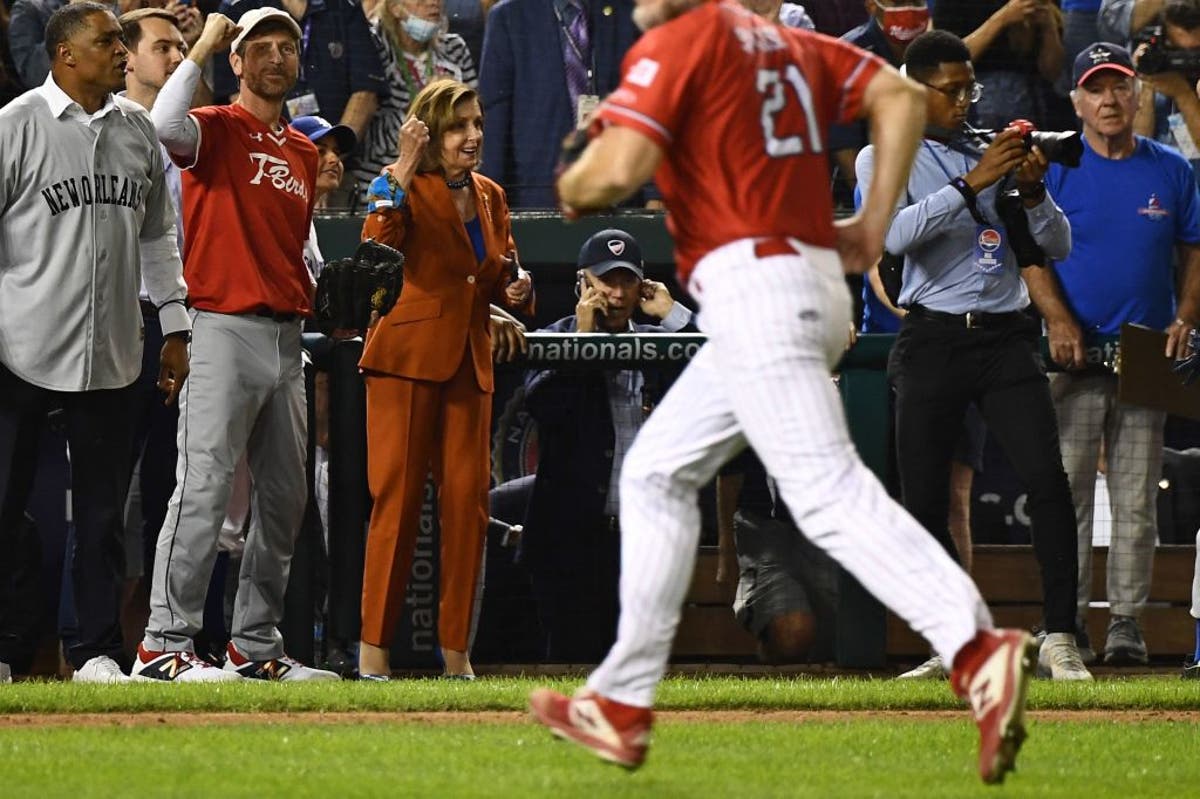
(972, 207)
(413, 78)
(304, 45)
(942, 166)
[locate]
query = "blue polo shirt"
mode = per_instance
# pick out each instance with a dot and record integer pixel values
(876, 317)
(1126, 217)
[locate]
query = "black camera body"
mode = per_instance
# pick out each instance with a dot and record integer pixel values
(1059, 147)
(1160, 57)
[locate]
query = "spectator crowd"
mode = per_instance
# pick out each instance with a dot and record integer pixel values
(444, 106)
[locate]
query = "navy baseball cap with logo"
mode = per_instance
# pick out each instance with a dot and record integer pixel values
(317, 128)
(611, 249)
(1101, 56)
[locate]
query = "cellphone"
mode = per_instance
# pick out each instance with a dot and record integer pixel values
(580, 283)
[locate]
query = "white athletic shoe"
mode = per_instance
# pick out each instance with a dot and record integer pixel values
(1059, 659)
(282, 668)
(176, 667)
(932, 669)
(5, 673)
(100, 670)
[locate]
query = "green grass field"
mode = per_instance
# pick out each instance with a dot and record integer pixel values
(1109, 752)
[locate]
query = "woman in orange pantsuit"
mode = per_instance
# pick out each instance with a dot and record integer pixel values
(428, 365)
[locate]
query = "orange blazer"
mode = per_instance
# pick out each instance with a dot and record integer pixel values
(443, 306)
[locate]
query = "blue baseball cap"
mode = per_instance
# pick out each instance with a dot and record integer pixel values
(611, 249)
(316, 128)
(1101, 56)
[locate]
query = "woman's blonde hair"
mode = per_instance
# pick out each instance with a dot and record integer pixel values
(436, 105)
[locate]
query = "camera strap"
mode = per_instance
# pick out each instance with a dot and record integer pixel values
(960, 184)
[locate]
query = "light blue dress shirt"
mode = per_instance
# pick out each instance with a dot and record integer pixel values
(936, 233)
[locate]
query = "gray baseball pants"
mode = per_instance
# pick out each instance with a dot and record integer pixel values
(245, 394)
(1088, 413)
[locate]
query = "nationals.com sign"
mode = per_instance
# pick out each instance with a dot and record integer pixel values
(605, 350)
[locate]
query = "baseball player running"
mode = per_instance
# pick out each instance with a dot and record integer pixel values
(248, 190)
(732, 127)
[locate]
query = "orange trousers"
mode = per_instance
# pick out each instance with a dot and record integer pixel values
(413, 427)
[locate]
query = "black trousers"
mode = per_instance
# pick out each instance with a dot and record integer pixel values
(937, 368)
(153, 443)
(99, 427)
(575, 580)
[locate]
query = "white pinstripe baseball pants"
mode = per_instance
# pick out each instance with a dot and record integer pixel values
(776, 326)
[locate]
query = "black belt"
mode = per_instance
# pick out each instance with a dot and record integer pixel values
(275, 316)
(970, 319)
(148, 308)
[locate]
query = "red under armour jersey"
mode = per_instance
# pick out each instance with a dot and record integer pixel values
(741, 108)
(247, 204)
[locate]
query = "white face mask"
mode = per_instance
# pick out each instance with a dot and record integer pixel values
(421, 30)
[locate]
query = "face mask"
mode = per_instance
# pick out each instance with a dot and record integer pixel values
(421, 30)
(902, 25)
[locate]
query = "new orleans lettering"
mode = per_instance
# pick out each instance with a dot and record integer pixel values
(92, 190)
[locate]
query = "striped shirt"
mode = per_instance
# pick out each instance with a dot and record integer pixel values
(83, 201)
(407, 74)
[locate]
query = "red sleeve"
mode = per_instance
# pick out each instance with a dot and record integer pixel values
(210, 122)
(849, 69)
(654, 82)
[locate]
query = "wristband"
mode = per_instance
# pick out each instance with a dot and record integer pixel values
(384, 192)
(964, 188)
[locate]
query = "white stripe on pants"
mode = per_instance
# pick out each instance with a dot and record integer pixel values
(1088, 413)
(1196, 581)
(775, 326)
(245, 394)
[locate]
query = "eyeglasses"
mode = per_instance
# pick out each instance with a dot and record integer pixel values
(964, 94)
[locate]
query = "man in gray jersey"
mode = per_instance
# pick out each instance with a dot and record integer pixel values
(84, 201)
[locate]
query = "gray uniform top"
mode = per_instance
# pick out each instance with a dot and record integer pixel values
(82, 202)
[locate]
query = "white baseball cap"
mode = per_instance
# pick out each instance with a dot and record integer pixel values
(255, 17)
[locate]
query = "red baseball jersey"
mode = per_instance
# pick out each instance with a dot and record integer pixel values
(247, 204)
(741, 108)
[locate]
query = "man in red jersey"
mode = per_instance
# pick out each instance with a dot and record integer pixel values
(733, 128)
(249, 184)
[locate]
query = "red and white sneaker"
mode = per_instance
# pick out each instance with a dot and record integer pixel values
(282, 668)
(992, 673)
(175, 667)
(616, 732)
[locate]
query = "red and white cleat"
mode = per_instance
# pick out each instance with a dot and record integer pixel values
(992, 673)
(616, 732)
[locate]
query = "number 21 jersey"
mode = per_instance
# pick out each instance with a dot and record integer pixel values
(741, 108)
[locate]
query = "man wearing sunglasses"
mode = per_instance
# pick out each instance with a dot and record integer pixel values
(966, 338)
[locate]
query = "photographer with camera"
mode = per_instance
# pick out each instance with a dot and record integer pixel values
(1131, 203)
(966, 337)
